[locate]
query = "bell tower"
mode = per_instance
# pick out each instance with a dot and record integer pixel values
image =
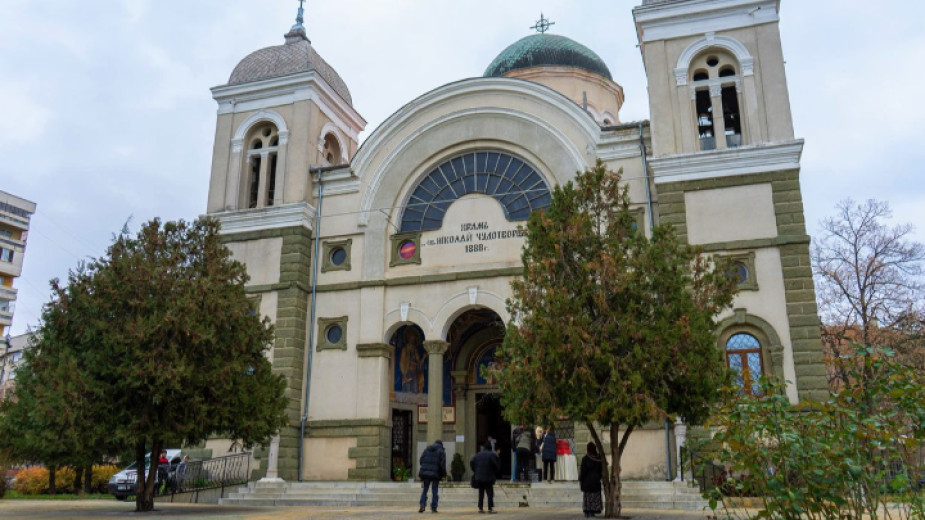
(283, 111)
(726, 168)
(716, 73)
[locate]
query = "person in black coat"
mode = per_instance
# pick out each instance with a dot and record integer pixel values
(486, 469)
(548, 453)
(433, 469)
(589, 477)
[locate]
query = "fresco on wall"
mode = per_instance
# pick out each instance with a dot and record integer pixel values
(410, 381)
(410, 368)
(485, 362)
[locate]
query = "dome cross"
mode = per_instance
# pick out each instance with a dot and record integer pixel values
(542, 25)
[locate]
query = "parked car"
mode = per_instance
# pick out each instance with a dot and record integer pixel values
(122, 484)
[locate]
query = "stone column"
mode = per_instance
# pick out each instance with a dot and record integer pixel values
(273, 462)
(680, 436)
(435, 351)
(263, 185)
(459, 392)
(719, 123)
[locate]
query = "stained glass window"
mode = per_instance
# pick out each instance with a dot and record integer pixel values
(743, 356)
(516, 185)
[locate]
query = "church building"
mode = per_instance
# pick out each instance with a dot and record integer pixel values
(385, 265)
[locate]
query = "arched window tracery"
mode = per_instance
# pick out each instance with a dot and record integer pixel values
(513, 182)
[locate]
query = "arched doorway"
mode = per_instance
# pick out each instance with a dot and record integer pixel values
(474, 338)
(409, 390)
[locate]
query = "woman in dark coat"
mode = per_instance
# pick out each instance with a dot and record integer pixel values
(589, 476)
(548, 453)
(486, 468)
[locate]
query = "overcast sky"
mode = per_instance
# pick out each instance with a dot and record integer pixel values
(105, 109)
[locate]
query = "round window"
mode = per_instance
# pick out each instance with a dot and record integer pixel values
(407, 249)
(712, 61)
(740, 271)
(338, 256)
(334, 334)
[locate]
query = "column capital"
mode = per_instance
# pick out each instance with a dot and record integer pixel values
(436, 346)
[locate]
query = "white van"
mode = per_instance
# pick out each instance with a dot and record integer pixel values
(122, 484)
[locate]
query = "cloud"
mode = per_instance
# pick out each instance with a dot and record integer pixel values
(24, 119)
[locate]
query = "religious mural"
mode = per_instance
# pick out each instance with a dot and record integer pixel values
(411, 368)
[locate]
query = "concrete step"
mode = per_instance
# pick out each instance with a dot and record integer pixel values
(565, 495)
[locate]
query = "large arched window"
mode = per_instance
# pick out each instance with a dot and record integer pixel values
(262, 155)
(743, 356)
(516, 185)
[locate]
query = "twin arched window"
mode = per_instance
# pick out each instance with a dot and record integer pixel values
(715, 80)
(262, 156)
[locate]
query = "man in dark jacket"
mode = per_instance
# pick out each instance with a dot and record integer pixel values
(486, 468)
(433, 469)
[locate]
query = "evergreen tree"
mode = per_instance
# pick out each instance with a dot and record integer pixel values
(154, 345)
(611, 328)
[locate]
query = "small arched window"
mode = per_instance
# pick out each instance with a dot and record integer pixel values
(262, 154)
(331, 153)
(744, 358)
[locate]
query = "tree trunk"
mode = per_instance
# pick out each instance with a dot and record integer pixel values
(613, 507)
(78, 479)
(88, 479)
(51, 480)
(144, 494)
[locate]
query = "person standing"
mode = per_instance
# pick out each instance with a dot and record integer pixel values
(526, 447)
(486, 469)
(514, 435)
(589, 477)
(163, 468)
(433, 469)
(548, 453)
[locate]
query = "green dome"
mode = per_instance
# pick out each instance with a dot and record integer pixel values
(539, 50)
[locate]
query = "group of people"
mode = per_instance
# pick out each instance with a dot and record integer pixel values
(167, 481)
(486, 470)
(527, 444)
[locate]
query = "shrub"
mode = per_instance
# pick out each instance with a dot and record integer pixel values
(31, 481)
(101, 476)
(854, 455)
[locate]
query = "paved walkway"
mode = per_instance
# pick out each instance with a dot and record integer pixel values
(104, 509)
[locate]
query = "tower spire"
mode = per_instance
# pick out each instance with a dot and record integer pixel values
(297, 32)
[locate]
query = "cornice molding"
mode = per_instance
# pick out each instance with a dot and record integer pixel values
(272, 217)
(730, 161)
(285, 90)
(337, 182)
(677, 20)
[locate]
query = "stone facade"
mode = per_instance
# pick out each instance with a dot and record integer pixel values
(387, 276)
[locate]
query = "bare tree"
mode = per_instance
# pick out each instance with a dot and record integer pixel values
(869, 284)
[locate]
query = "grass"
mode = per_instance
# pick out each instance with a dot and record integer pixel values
(14, 495)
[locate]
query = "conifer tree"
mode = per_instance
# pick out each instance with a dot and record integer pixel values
(154, 345)
(611, 328)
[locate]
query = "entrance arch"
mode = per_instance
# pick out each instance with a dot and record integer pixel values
(474, 337)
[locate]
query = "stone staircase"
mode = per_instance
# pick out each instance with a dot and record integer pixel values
(565, 495)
